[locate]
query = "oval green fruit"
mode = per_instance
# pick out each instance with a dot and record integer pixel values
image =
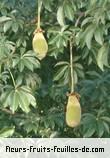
(40, 45)
(73, 111)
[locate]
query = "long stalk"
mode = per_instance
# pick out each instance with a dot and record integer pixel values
(71, 67)
(39, 12)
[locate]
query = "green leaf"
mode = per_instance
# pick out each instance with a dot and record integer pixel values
(29, 95)
(79, 66)
(15, 61)
(86, 21)
(105, 118)
(75, 76)
(31, 99)
(100, 128)
(60, 73)
(7, 99)
(98, 34)
(89, 35)
(7, 25)
(107, 128)
(33, 61)
(15, 27)
(62, 63)
(102, 57)
(23, 101)
(69, 12)
(80, 73)
(4, 96)
(4, 19)
(15, 101)
(21, 65)
(20, 97)
(27, 60)
(7, 132)
(46, 4)
(89, 132)
(27, 63)
(60, 16)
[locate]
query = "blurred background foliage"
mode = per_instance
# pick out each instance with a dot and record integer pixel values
(33, 93)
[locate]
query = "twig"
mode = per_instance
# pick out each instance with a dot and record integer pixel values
(7, 111)
(78, 20)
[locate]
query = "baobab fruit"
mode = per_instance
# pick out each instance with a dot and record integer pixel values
(40, 45)
(73, 111)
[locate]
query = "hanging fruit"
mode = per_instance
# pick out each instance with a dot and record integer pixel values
(73, 111)
(39, 43)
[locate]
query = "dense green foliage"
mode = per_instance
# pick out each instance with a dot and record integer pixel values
(32, 92)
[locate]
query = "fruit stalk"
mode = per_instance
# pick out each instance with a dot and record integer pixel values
(39, 42)
(71, 66)
(39, 12)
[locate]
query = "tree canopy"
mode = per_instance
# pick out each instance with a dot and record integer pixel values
(33, 92)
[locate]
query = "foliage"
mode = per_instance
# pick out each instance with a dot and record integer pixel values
(32, 92)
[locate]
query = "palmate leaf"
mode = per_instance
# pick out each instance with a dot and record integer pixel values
(13, 24)
(89, 125)
(61, 37)
(20, 97)
(32, 80)
(85, 36)
(6, 46)
(95, 124)
(27, 60)
(60, 73)
(63, 73)
(94, 89)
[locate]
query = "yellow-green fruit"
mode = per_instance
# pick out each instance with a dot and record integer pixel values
(73, 111)
(40, 45)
